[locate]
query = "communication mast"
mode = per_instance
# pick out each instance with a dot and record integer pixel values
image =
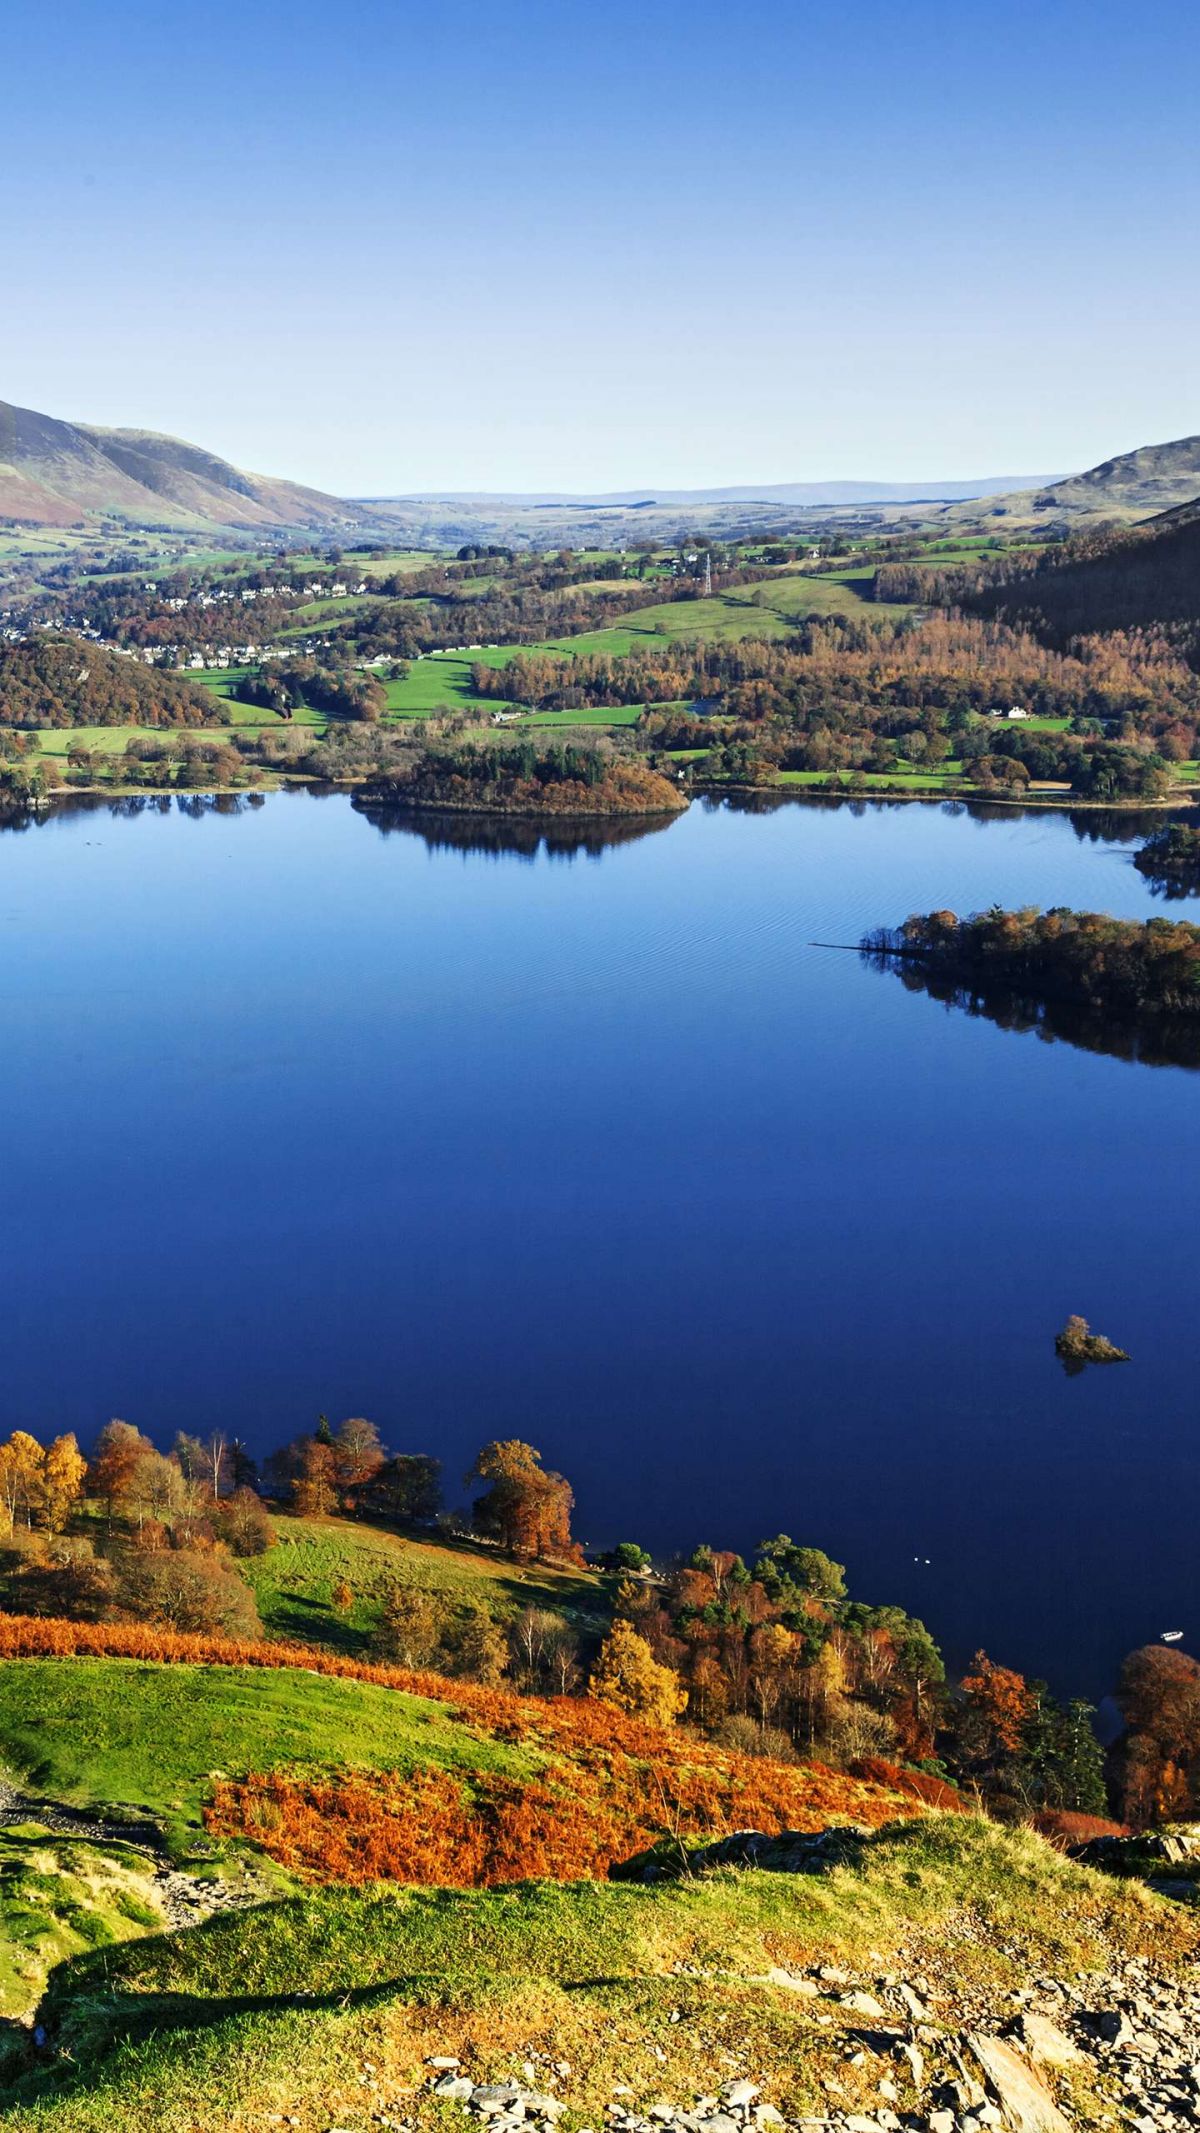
(708, 573)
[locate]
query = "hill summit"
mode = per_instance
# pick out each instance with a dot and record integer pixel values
(1153, 479)
(55, 473)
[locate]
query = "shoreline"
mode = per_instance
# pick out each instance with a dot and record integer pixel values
(699, 790)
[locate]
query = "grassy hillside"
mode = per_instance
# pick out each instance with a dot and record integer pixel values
(322, 2011)
(293, 1584)
(101, 1732)
(56, 473)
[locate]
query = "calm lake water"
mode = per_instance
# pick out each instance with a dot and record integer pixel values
(303, 1113)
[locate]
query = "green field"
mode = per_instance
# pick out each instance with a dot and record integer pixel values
(396, 559)
(221, 682)
(325, 614)
(106, 740)
(115, 1732)
(293, 1583)
(441, 682)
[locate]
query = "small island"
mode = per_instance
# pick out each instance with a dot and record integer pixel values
(1109, 969)
(1077, 1346)
(1171, 859)
(575, 780)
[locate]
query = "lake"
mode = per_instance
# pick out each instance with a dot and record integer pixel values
(308, 1112)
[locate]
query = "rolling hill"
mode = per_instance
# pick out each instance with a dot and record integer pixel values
(55, 473)
(1134, 485)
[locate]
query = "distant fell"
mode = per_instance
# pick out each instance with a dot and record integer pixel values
(55, 473)
(1132, 486)
(1152, 479)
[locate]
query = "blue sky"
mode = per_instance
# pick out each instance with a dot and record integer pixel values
(382, 246)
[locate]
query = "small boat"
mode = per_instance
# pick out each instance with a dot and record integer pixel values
(1171, 1636)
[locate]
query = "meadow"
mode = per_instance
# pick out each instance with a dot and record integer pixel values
(293, 1582)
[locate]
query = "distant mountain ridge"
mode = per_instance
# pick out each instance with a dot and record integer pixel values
(55, 473)
(1154, 478)
(62, 474)
(777, 492)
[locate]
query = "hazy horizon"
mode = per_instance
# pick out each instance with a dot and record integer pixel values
(390, 252)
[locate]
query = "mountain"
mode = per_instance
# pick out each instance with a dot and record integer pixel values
(56, 473)
(1134, 485)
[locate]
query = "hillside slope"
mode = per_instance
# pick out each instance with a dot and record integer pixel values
(65, 681)
(1146, 578)
(842, 1997)
(1131, 486)
(56, 473)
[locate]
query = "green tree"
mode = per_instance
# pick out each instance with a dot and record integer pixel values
(791, 1575)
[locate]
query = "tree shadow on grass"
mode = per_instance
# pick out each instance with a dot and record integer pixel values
(94, 2004)
(34, 2068)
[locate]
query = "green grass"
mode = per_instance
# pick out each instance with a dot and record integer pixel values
(316, 614)
(293, 1583)
(60, 1896)
(104, 1732)
(441, 681)
(944, 780)
(324, 2008)
(408, 560)
(106, 740)
(597, 715)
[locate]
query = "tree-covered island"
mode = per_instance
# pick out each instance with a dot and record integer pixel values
(1122, 970)
(523, 778)
(1170, 859)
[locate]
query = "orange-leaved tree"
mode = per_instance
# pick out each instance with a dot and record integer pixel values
(525, 1507)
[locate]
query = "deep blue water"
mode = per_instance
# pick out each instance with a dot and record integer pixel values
(603, 1152)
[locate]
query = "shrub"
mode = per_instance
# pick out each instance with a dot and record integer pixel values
(189, 1589)
(914, 1784)
(748, 1737)
(244, 1524)
(1063, 1827)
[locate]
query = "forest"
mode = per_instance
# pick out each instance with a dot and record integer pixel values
(769, 1657)
(1139, 581)
(59, 681)
(525, 778)
(843, 694)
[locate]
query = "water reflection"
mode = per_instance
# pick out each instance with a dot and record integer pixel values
(126, 807)
(1167, 1041)
(511, 836)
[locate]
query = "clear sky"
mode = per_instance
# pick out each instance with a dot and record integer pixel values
(379, 246)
